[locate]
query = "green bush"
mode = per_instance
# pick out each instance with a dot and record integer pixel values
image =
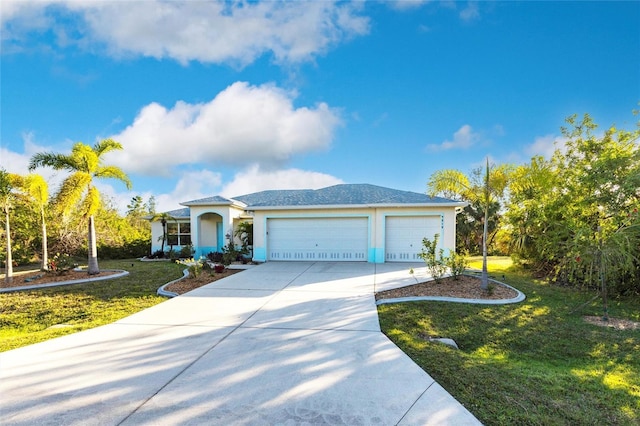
(230, 254)
(61, 263)
(433, 257)
(186, 251)
(130, 249)
(438, 264)
(457, 263)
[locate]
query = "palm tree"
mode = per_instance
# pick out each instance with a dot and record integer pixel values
(37, 190)
(6, 200)
(77, 190)
(163, 218)
(455, 184)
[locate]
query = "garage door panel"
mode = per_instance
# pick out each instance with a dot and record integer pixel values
(404, 234)
(330, 239)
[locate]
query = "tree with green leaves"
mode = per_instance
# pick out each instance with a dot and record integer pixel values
(77, 191)
(136, 207)
(138, 212)
(574, 216)
(483, 189)
(150, 205)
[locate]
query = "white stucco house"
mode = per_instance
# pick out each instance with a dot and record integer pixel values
(349, 222)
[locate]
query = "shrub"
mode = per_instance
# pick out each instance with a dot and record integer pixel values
(61, 263)
(206, 266)
(230, 254)
(158, 254)
(457, 263)
(193, 266)
(186, 251)
(171, 254)
(128, 250)
(433, 257)
(215, 257)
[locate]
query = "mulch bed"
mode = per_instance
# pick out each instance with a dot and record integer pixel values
(40, 278)
(466, 287)
(615, 323)
(204, 278)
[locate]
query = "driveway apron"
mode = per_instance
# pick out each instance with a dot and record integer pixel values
(282, 343)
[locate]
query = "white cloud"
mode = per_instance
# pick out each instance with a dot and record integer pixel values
(463, 138)
(242, 125)
(407, 4)
(470, 13)
(254, 180)
(546, 145)
(204, 183)
(192, 185)
(206, 31)
(22, 15)
(14, 162)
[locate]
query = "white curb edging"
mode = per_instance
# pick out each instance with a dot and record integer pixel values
(162, 292)
(120, 273)
(519, 298)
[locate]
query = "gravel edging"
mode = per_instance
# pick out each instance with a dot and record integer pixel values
(162, 292)
(119, 274)
(519, 298)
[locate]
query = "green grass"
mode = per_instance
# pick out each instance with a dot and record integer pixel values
(532, 363)
(33, 316)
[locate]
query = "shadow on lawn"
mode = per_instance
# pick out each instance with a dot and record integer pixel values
(536, 362)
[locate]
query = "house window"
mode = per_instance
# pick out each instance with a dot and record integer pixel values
(179, 234)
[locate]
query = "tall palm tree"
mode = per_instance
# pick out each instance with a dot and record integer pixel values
(163, 218)
(455, 184)
(77, 190)
(37, 190)
(6, 201)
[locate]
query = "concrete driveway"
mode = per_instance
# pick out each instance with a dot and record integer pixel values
(281, 343)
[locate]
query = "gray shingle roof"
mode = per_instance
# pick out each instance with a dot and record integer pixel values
(178, 214)
(216, 199)
(337, 195)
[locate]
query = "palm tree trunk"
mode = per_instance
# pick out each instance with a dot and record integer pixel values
(485, 274)
(44, 266)
(164, 235)
(93, 268)
(9, 261)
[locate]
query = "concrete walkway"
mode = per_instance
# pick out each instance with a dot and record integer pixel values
(282, 343)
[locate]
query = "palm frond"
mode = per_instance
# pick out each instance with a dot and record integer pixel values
(71, 191)
(53, 160)
(106, 145)
(91, 202)
(85, 158)
(37, 188)
(451, 183)
(113, 172)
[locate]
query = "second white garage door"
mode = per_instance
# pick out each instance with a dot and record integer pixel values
(318, 239)
(404, 234)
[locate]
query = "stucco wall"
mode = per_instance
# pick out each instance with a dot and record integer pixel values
(202, 243)
(156, 236)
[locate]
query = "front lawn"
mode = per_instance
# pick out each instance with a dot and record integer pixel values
(533, 363)
(33, 316)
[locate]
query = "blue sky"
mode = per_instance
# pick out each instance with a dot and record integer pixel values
(230, 98)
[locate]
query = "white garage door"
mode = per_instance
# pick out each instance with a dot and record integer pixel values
(404, 234)
(318, 239)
